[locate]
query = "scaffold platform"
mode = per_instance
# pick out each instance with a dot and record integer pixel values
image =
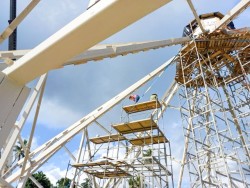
(144, 106)
(105, 168)
(216, 53)
(109, 174)
(123, 168)
(234, 39)
(107, 138)
(136, 126)
(148, 140)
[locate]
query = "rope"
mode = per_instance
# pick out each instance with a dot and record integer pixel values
(153, 83)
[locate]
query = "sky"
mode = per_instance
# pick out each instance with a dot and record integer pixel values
(74, 91)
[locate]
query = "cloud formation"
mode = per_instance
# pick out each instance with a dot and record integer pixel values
(74, 91)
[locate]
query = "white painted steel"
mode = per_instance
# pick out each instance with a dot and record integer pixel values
(196, 16)
(78, 158)
(240, 7)
(103, 19)
(4, 184)
(13, 54)
(102, 51)
(77, 127)
(19, 126)
(13, 25)
(36, 182)
(30, 139)
(12, 97)
(69, 153)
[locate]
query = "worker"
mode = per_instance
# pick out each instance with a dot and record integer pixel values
(134, 98)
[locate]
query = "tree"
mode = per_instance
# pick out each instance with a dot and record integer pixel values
(86, 183)
(134, 182)
(147, 153)
(41, 178)
(63, 183)
(19, 150)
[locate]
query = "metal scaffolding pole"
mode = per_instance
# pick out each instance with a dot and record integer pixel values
(13, 36)
(214, 99)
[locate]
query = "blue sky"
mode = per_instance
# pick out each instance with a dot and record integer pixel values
(74, 91)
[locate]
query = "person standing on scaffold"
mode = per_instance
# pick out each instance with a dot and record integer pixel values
(134, 98)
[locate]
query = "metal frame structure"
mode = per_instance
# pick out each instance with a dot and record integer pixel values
(123, 152)
(214, 99)
(40, 155)
(215, 108)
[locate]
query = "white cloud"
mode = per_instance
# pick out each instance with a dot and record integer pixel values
(54, 115)
(54, 173)
(92, 81)
(57, 12)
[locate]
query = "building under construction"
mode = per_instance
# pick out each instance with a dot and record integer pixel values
(211, 84)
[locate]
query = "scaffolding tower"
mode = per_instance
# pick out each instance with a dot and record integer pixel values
(137, 155)
(213, 74)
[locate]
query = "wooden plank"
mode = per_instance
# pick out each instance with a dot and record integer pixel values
(148, 140)
(112, 174)
(107, 169)
(136, 126)
(139, 107)
(92, 164)
(107, 138)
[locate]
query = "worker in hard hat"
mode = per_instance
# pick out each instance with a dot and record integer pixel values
(134, 98)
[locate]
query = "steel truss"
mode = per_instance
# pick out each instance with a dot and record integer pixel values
(229, 140)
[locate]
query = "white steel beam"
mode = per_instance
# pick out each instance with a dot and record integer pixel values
(78, 158)
(13, 54)
(35, 182)
(102, 51)
(12, 99)
(19, 126)
(27, 149)
(77, 127)
(196, 16)
(13, 25)
(93, 179)
(69, 153)
(22, 181)
(240, 7)
(93, 26)
(4, 184)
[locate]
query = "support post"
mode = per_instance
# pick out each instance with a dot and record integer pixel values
(78, 158)
(20, 124)
(27, 149)
(13, 36)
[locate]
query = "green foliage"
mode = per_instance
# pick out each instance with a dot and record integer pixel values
(63, 183)
(147, 153)
(86, 184)
(41, 178)
(134, 182)
(19, 150)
